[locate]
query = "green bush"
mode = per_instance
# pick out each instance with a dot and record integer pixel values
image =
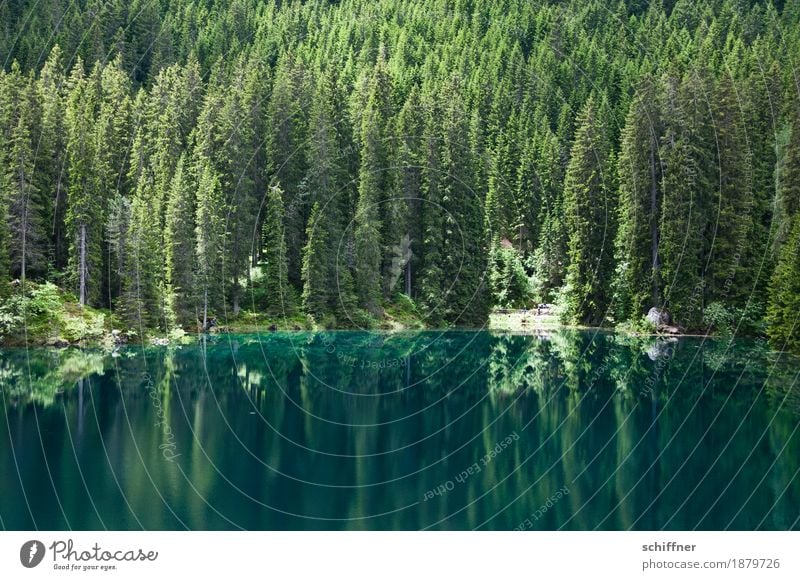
(717, 318)
(44, 311)
(511, 287)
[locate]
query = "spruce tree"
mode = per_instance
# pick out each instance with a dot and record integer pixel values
(51, 159)
(286, 134)
(179, 246)
(687, 165)
(84, 217)
(590, 220)
(210, 244)
(276, 284)
(783, 311)
(317, 286)
(408, 182)
(637, 280)
(26, 207)
(142, 297)
(370, 237)
(464, 263)
(431, 279)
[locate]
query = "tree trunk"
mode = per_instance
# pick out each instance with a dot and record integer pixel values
(205, 309)
(654, 223)
(82, 265)
(235, 293)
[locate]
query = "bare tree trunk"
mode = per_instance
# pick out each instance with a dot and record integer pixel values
(205, 309)
(82, 265)
(235, 292)
(653, 224)
(408, 278)
(24, 224)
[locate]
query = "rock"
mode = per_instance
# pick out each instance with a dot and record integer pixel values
(670, 329)
(57, 341)
(658, 317)
(160, 341)
(272, 328)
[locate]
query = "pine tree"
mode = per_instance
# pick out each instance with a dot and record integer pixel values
(26, 207)
(370, 228)
(783, 312)
(234, 156)
(686, 150)
(325, 184)
(316, 276)
(637, 281)
(210, 244)
(732, 203)
(52, 157)
(5, 129)
(408, 182)
(286, 130)
(590, 219)
(179, 246)
(789, 184)
(84, 219)
(278, 292)
(141, 300)
(431, 279)
(464, 263)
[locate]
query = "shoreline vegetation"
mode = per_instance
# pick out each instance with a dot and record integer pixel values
(399, 164)
(54, 318)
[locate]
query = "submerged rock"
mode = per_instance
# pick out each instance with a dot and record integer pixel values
(662, 349)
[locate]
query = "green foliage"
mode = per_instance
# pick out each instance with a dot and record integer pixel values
(45, 312)
(277, 297)
(719, 319)
(783, 311)
(590, 218)
(509, 283)
(626, 170)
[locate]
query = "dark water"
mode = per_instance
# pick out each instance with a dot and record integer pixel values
(349, 430)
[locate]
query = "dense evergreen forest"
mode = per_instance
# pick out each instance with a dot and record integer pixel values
(180, 160)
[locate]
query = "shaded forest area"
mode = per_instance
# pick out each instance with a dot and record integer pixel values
(177, 161)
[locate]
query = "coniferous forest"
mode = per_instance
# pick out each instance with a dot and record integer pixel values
(180, 161)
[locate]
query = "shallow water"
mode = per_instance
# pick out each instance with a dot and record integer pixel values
(355, 430)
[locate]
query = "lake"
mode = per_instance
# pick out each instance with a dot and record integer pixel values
(453, 430)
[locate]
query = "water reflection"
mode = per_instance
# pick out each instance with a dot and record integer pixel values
(455, 430)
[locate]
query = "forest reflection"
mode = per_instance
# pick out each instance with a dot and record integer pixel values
(379, 431)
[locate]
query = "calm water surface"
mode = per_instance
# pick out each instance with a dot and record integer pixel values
(350, 430)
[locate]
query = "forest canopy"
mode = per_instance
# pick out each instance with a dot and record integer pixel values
(181, 160)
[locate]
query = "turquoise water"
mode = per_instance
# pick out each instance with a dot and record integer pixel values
(350, 430)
